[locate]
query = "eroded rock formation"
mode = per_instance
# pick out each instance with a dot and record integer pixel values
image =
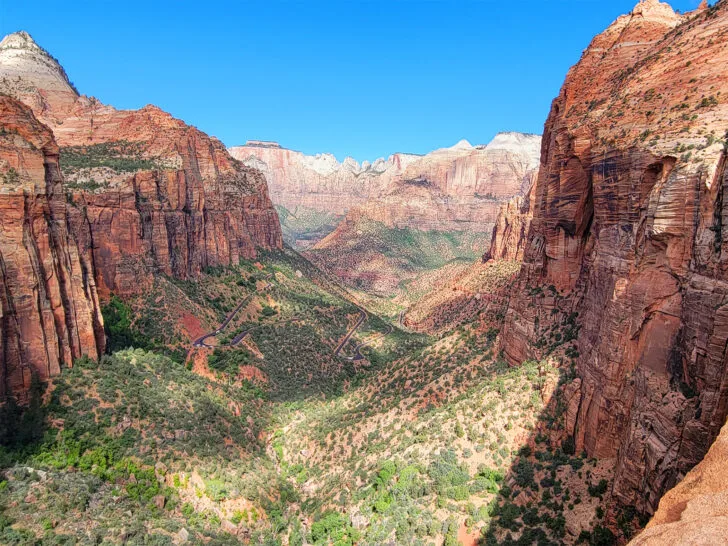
(49, 309)
(510, 232)
(146, 194)
(150, 194)
(695, 511)
(452, 189)
(629, 232)
(318, 182)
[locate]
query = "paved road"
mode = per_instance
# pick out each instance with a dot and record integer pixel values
(363, 316)
(367, 342)
(200, 341)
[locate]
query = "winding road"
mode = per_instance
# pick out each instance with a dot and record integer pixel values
(200, 342)
(363, 316)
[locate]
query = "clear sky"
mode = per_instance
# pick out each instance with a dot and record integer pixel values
(359, 78)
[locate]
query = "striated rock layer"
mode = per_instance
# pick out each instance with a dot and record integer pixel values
(510, 232)
(696, 510)
(151, 194)
(451, 189)
(629, 227)
(146, 194)
(49, 309)
(319, 182)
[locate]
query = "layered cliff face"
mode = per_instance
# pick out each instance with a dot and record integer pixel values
(458, 188)
(319, 182)
(149, 193)
(49, 309)
(695, 511)
(508, 240)
(629, 229)
(451, 189)
(438, 208)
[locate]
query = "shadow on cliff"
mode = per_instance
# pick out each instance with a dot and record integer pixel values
(22, 428)
(550, 494)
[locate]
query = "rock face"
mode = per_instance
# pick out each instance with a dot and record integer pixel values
(437, 208)
(629, 228)
(147, 195)
(318, 182)
(696, 510)
(451, 189)
(150, 193)
(510, 232)
(49, 309)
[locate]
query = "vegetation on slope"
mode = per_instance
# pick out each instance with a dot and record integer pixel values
(119, 156)
(303, 227)
(428, 440)
(370, 256)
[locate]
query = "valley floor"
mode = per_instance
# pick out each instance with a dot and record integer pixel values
(263, 433)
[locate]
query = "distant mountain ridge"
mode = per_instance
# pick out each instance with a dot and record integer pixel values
(322, 183)
(455, 189)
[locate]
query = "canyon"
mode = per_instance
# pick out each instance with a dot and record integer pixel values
(513, 343)
(450, 189)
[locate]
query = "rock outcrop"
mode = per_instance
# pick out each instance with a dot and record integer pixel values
(146, 194)
(49, 309)
(452, 189)
(629, 231)
(508, 240)
(150, 194)
(319, 182)
(696, 510)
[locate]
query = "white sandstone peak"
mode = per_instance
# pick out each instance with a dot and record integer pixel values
(522, 144)
(25, 66)
(462, 145)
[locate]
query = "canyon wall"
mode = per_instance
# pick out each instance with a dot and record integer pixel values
(508, 240)
(695, 511)
(319, 182)
(451, 189)
(629, 231)
(149, 193)
(49, 309)
(100, 200)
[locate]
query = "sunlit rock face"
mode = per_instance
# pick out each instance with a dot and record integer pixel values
(151, 194)
(450, 189)
(49, 309)
(510, 232)
(695, 511)
(629, 227)
(146, 194)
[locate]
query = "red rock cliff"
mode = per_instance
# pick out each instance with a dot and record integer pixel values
(695, 511)
(451, 189)
(510, 232)
(153, 195)
(49, 310)
(630, 226)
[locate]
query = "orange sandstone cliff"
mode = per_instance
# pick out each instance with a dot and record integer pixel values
(629, 229)
(145, 194)
(150, 194)
(510, 231)
(450, 189)
(695, 511)
(49, 310)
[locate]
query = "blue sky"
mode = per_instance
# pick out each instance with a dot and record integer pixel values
(359, 78)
